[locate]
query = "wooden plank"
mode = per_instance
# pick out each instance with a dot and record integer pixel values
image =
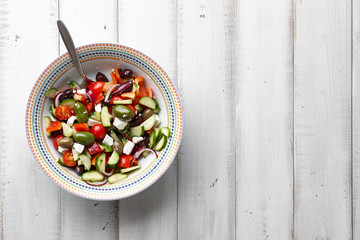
(89, 23)
(150, 26)
(28, 42)
(322, 120)
(264, 113)
(206, 162)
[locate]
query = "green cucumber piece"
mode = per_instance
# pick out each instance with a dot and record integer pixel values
(106, 148)
(52, 110)
(114, 136)
(75, 155)
(137, 131)
(50, 93)
(130, 169)
(100, 162)
(95, 116)
(61, 162)
(161, 144)
(85, 160)
(74, 85)
(125, 101)
(105, 117)
(152, 139)
(145, 154)
(124, 129)
(92, 176)
(117, 177)
(165, 131)
(139, 108)
(113, 160)
(47, 123)
(149, 123)
(68, 102)
(158, 134)
(135, 87)
(157, 109)
(67, 130)
(147, 102)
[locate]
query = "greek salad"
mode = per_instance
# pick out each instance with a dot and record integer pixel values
(103, 130)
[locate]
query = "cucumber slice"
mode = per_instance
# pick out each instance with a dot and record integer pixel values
(86, 161)
(74, 85)
(95, 116)
(145, 154)
(149, 123)
(50, 93)
(125, 101)
(161, 144)
(117, 177)
(157, 109)
(158, 134)
(114, 136)
(105, 117)
(135, 87)
(165, 131)
(113, 160)
(75, 155)
(47, 122)
(152, 139)
(137, 131)
(92, 176)
(139, 108)
(147, 102)
(67, 130)
(61, 162)
(100, 162)
(123, 130)
(106, 148)
(52, 110)
(130, 169)
(68, 102)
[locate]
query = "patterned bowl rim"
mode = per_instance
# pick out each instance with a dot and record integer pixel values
(36, 137)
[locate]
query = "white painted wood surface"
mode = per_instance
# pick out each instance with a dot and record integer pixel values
(270, 93)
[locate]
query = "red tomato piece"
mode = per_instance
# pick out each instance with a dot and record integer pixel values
(116, 98)
(96, 88)
(89, 107)
(99, 98)
(68, 159)
(125, 161)
(99, 131)
(80, 98)
(132, 108)
(81, 127)
(54, 126)
(135, 162)
(149, 131)
(56, 145)
(63, 112)
(94, 148)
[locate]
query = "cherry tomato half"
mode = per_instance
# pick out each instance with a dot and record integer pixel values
(63, 112)
(68, 159)
(96, 87)
(99, 131)
(56, 145)
(89, 107)
(81, 127)
(125, 161)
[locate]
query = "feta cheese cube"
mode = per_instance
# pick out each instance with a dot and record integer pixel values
(119, 124)
(128, 147)
(78, 147)
(98, 108)
(81, 91)
(62, 150)
(157, 120)
(71, 121)
(108, 140)
(137, 139)
(92, 122)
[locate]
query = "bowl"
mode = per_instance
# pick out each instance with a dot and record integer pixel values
(103, 57)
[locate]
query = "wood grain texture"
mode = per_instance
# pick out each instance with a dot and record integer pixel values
(322, 120)
(206, 161)
(88, 22)
(150, 26)
(29, 198)
(264, 113)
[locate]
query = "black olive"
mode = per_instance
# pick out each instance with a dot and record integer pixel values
(79, 169)
(126, 73)
(68, 93)
(101, 77)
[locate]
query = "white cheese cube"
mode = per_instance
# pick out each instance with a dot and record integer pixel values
(157, 120)
(137, 139)
(119, 124)
(62, 150)
(108, 140)
(81, 91)
(78, 147)
(98, 108)
(71, 121)
(92, 122)
(128, 147)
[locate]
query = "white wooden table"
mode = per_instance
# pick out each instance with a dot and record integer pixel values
(271, 98)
